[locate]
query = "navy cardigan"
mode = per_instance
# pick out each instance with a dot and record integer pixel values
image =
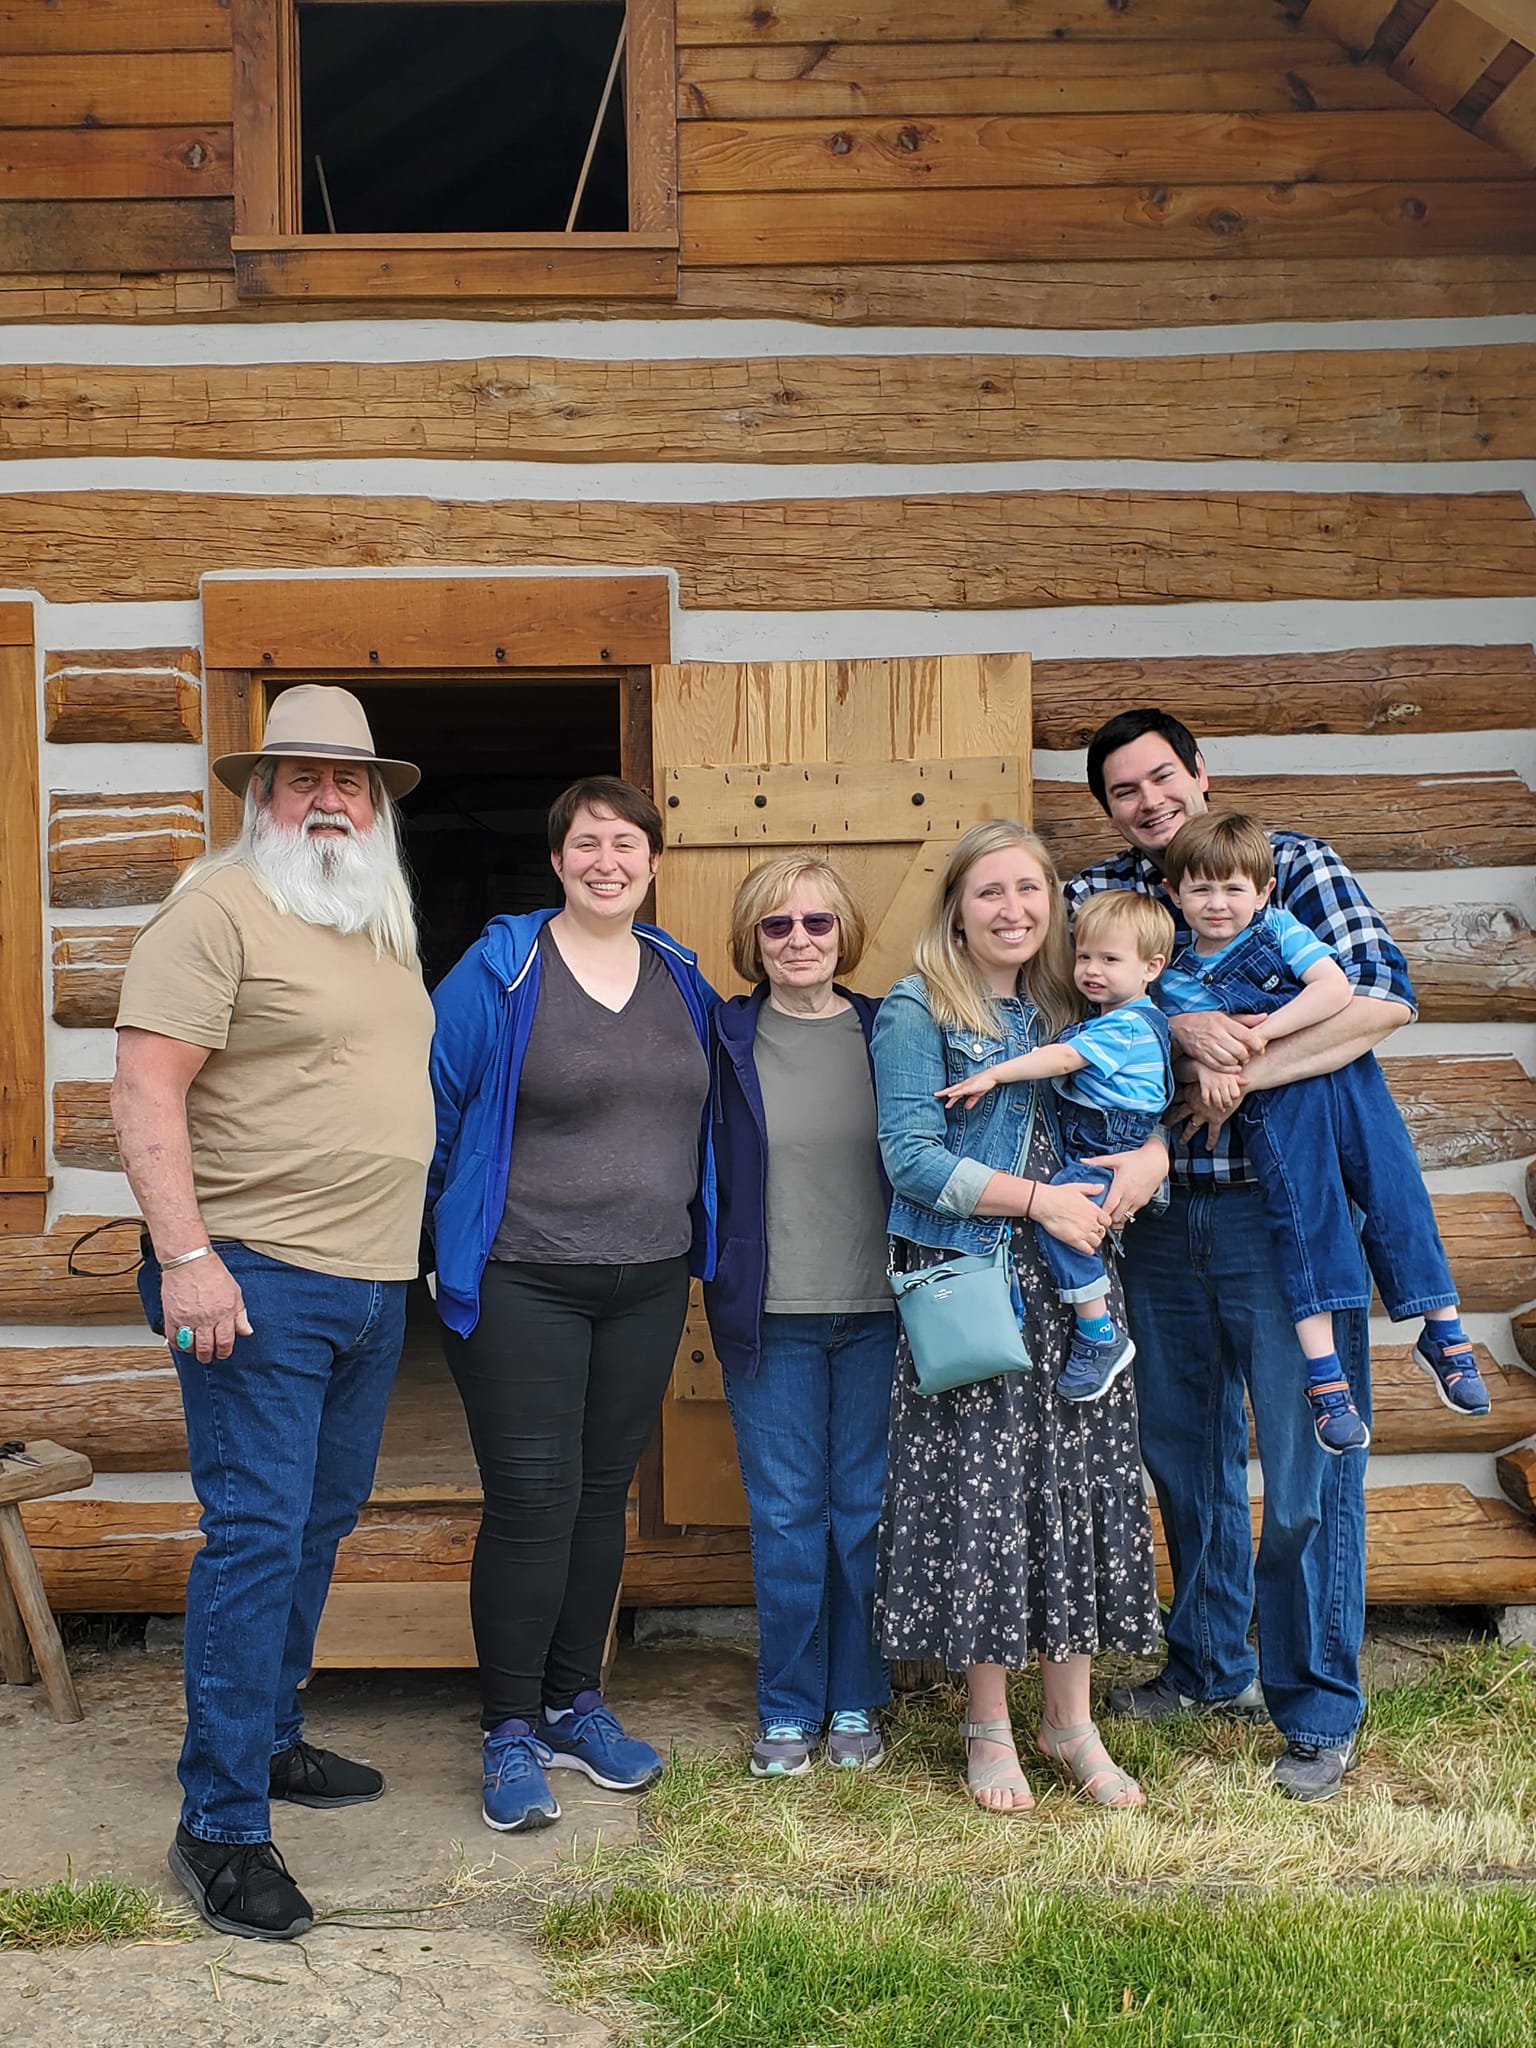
(733, 1299)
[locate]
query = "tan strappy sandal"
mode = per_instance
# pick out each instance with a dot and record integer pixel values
(1070, 1749)
(1005, 1776)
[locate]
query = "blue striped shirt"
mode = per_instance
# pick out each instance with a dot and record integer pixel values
(1184, 983)
(1314, 885)
(1126, 1068)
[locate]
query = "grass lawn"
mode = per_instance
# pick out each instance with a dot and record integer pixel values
(881, 1910)
(69, 1914)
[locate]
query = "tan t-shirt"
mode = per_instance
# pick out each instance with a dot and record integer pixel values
(311, 1123)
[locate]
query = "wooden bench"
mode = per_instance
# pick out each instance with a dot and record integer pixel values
(41, 1469)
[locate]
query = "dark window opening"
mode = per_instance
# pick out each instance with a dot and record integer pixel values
(438, 118)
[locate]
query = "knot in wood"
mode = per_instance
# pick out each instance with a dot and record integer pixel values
(786, 397)
(1118, 6)
(1413, 209)
(194, 156)
(840, 144)
(1225, 220)
(1394, 714)
(762, 17)
(908, 138)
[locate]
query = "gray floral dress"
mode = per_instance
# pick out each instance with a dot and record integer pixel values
(1015, 1524)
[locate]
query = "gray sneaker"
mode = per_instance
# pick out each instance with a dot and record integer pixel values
(853, 1740)
(782, 1751)
(1308, 1771)
(1160, 1699)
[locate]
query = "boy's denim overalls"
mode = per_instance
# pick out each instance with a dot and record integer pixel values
(1321, 1144)
(1086, 1133)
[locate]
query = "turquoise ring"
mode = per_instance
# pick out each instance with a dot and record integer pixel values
(184, 1339)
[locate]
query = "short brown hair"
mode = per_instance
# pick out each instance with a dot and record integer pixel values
(767, 887)
(1142, 918)
(1218, 844)
(605, 793)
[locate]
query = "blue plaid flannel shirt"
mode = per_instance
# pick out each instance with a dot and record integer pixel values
(1315, 886)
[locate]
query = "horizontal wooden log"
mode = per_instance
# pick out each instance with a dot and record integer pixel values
(1295, 73)
(1084, 223)
(1443, 404)
(42, 1468)
(1060, 295)
(409, 267)
(82, 1125)
(425, 622)
(1460, 1111)
(36, 1285)
(1491, 1249)
(128, 89)
(122, 694)
(984, 21)
(1361, 690)
(913, 153)
(119, 1404)
(88, 963)
(1469, 961)
(127, 234)
(108, 850)
(1517, 1476)
(1407, 1418)
(94, 25)
(1424, 1544)
(116, 163)
(967, 551)
(1375, 821)
(836, 804)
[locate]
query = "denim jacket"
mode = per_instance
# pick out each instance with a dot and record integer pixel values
(940, 1161)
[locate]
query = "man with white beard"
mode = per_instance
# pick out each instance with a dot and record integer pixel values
(275, 1122)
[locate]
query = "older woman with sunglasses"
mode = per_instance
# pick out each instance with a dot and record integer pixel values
(800, 1307)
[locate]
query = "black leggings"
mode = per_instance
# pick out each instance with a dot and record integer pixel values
(561, 1382)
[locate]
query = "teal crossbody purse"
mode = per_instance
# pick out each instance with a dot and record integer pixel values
(961, 1319)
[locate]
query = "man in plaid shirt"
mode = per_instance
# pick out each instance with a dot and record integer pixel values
(1209, 1317)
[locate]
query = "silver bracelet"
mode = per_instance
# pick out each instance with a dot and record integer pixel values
(185, 1258)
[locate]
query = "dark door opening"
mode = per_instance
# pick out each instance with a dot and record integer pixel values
(493, 757)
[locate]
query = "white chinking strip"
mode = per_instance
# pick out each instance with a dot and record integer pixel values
(365, 340)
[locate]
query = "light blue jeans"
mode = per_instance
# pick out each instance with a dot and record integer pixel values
(283, 1437)
(1208, 1311)
(811, 1435)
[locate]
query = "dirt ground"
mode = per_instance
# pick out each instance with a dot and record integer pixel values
(399, 1971)
(101, 1798)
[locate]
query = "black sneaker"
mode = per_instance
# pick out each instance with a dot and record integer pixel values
(1160, 1699)
(319, 1777)
(241, 1887)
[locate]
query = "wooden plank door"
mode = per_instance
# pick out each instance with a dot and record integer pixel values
(880, 763)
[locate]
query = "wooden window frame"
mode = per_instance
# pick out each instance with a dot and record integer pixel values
(24, 1181)
(274, 260)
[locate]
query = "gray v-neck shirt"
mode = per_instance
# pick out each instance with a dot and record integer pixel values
(605, 1140)
(826, 1210)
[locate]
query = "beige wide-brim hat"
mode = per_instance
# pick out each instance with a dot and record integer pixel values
(314, 722)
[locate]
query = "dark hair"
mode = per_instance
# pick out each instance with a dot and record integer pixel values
(1216, 846)
(1126, 726)
(604, 793)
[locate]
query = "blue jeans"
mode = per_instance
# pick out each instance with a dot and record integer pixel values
(811, 1433)
(1080, 1276)
(1319, 1146)
(283, 1436)
(1208, 1311)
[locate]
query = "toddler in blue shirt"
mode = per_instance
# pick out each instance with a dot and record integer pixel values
(1113, 1082)
(1317, 1145)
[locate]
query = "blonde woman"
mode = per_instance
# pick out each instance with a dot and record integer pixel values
(1015, 1523)
(800, 1308)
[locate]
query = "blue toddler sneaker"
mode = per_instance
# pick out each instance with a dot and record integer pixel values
(1093, 1365)
(1336, 1420)
(1453, 1368)
(591, 1738)
(517, 1794)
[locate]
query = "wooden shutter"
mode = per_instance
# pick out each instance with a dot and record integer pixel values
(879, 763)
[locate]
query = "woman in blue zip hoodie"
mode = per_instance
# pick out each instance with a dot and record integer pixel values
(800, 1307)
(562, 1270)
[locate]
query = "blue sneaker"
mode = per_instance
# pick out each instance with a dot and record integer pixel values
(1336, 1420)
(590, 1738)
(517, 1794)
(1092, 1366)
(1453, 1368)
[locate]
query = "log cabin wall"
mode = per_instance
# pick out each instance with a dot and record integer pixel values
(973, 350)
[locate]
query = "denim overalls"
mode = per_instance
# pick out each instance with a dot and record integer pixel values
(1322, 1144)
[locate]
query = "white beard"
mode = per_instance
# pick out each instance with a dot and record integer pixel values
(344, 883)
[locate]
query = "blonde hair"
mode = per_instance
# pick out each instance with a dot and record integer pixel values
(769, 885)
(1142, 918)
(957, 995)
(1216, 845)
